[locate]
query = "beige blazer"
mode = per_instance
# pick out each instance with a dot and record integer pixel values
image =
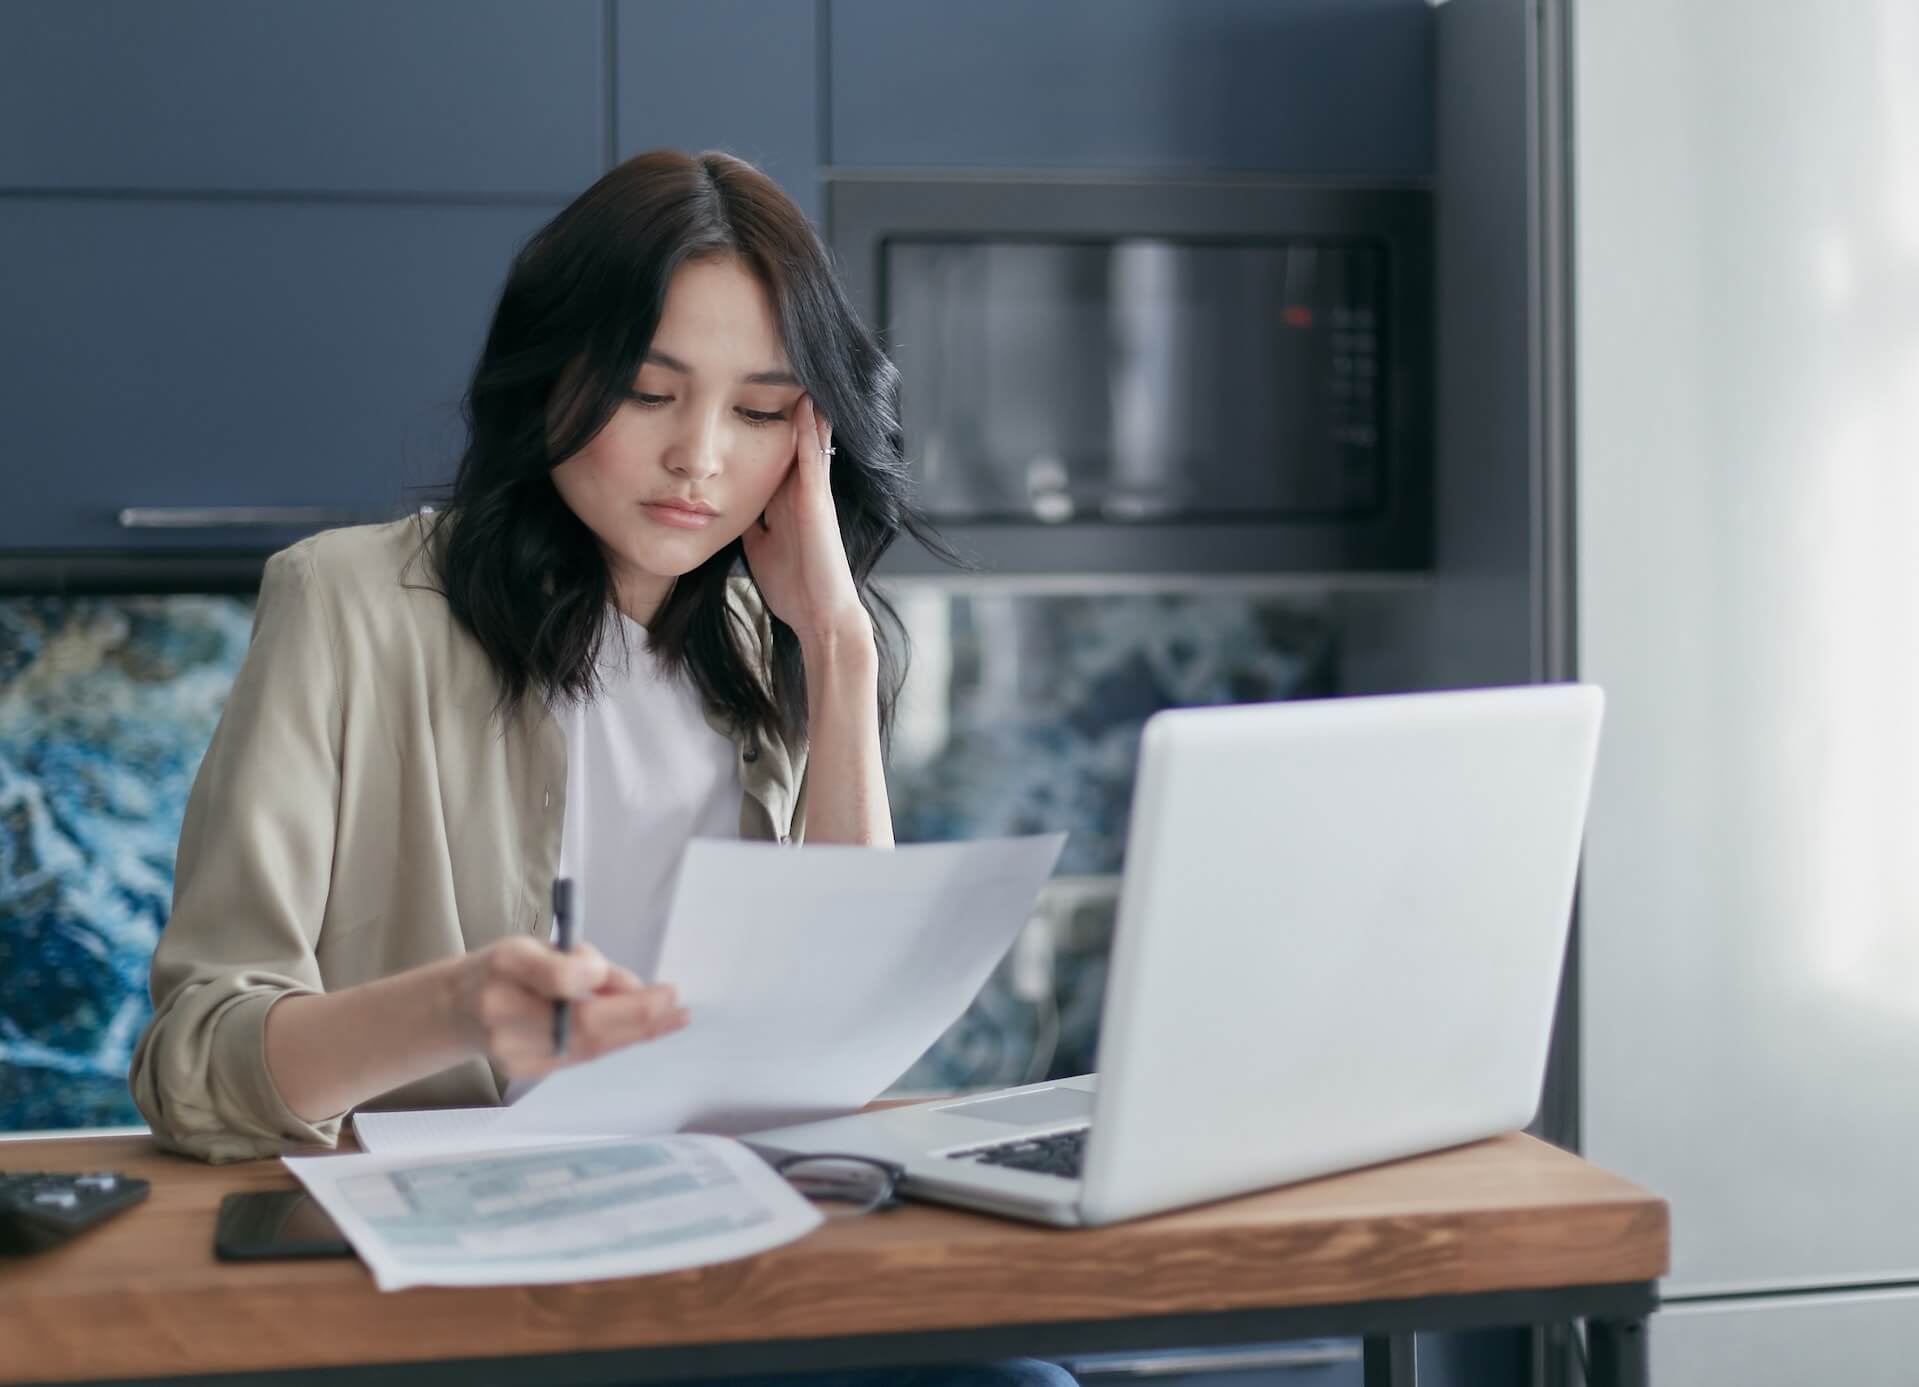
(361, 810)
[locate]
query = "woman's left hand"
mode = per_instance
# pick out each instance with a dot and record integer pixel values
(794, 549)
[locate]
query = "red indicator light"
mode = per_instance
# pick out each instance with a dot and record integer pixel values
(1297, 315)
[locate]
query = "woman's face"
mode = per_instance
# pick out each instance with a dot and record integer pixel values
(705, 438)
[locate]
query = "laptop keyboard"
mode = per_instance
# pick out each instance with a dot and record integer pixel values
(1058, 1153)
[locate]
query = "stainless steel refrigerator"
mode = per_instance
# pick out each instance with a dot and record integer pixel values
(1747, 346)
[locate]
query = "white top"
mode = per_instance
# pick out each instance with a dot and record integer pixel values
(644, 775)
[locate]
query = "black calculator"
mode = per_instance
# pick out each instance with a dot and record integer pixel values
(41, 1207)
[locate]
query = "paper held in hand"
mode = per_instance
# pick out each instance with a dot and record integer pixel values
(814, 978)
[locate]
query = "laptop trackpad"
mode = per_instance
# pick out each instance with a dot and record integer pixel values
(1028, 1109)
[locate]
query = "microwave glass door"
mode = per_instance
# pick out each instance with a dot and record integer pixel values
(1140, 380)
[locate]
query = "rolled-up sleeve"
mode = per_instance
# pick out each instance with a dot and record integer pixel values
(250, 888)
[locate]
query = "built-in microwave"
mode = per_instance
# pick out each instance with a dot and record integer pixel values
(1151, 375)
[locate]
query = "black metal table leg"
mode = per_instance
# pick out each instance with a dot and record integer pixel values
(1618, 1352)
(1390, 1362)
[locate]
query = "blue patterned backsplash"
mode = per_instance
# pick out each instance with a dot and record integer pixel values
(1021, 714)
(106, 707)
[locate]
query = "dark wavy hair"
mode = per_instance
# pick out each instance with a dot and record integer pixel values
(581, 303)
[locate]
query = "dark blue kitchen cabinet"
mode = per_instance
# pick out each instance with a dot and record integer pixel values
(1297, 87)
(166, 354)
(251, 249)
(737, 75)
(438, 97)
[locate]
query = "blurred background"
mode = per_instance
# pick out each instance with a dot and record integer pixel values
(1253, 349)
(252, 251)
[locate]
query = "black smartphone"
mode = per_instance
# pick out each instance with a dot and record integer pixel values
(275, 1223)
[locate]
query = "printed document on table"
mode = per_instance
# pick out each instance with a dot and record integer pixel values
(813, 978)
(580, 1212)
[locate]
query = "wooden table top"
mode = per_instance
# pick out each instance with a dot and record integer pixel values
(143, 1294)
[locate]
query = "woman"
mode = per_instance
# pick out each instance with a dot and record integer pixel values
(557, 674)
(553, 675)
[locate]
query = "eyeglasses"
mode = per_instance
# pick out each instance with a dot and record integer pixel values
(849, 1184)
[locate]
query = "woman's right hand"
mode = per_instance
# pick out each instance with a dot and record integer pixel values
(504, 996)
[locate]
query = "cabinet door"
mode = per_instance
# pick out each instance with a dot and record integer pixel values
(165, 354)
(430, 96)
(737, 75)
(1311, 87)
(1861, 1340)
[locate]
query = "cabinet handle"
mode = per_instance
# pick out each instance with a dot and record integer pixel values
(243, 517)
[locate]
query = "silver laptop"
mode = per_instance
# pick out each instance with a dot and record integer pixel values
(1339, 942)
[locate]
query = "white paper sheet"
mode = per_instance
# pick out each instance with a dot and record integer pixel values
(814, 978)
(580, 1212)
(416, 1130)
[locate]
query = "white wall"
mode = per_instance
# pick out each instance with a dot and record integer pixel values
(1748, 497)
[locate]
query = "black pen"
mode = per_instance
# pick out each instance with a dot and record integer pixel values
(563, 936)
